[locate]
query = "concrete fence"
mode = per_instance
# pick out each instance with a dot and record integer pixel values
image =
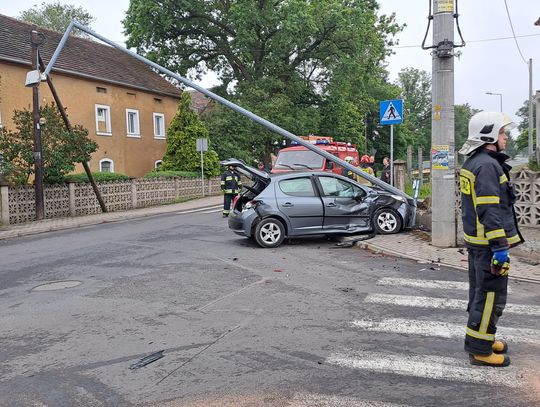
(17, 203)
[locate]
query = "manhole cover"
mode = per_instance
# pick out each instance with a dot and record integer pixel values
(57, 285)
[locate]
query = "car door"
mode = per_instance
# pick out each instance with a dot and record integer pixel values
(298, 200)
(345, 206)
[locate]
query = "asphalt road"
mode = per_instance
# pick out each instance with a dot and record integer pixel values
(307, 324)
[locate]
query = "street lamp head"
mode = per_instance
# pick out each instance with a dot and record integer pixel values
(537, 22)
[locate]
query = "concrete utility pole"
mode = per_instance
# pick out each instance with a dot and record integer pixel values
(38, 151)
(531, 149)
(538, 125)
(443, 182)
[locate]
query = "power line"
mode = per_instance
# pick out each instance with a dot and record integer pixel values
(469, 41)
(513, 32)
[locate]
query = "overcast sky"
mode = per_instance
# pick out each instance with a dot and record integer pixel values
(487, 63)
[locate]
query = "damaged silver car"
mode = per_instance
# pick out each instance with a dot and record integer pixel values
(292, 204)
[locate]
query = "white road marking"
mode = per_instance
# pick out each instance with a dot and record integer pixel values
(213, 211)
(441, 329)
(429, 367)
(443, 303)
(433, 284)
(330, 400)
(409, 282)
(218, 207)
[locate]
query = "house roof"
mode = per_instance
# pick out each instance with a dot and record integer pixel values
(81, 57)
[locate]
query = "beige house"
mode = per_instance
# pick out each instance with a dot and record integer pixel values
(123, 103)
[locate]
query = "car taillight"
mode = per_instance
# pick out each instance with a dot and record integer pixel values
(250, 205)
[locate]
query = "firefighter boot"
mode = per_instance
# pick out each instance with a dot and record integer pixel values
(494, 360)
(499, 346)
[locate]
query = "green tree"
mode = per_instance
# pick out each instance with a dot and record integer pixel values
(522, 142)
(305, 65)
(182, 135)
(61, 148)
(415, 86)
(57, 16)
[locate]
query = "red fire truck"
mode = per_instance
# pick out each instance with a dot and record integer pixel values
(299, 158)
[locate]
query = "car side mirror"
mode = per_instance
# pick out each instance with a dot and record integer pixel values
(329, 165)
(358, 196)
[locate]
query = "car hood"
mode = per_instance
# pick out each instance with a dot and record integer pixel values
(245, 169)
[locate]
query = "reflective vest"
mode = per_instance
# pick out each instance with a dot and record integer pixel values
(230, 182)
(487, 198)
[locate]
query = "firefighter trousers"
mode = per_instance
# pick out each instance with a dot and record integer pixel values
(487, 299)
(227, 199)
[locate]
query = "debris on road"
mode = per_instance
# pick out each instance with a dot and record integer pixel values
(147, 360)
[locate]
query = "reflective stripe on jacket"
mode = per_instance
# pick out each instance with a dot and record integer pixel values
(487, 199)
(230, 182)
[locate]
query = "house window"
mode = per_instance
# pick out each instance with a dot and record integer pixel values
(103, 120)
(132, 123)
(159, 125)
(99, 89)
(157, 164)
(106, 165)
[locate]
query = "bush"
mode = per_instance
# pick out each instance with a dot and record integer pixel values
(98, 177)
(172, 174)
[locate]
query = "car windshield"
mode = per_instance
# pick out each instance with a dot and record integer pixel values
(299, 159)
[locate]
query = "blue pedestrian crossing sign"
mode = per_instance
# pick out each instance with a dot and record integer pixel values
(391, 111)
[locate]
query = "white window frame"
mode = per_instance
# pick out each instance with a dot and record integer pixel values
(137, 130)
(107, 120)
(162, 129)
(106, 160)
(156, 163)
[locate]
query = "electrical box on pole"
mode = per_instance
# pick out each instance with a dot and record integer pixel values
(443, 162)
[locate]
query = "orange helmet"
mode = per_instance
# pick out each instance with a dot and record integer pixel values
(364, 159)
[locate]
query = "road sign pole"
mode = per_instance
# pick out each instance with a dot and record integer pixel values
(202, 173)
(391, 154)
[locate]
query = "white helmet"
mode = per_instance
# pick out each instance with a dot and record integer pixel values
(484, 128)
(349, 159)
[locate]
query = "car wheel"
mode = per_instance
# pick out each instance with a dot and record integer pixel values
(269, 232)
(386, 221)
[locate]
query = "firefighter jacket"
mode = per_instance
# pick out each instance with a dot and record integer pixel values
(487, 199)
(230, 182)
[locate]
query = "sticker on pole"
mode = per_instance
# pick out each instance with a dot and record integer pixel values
(391, 111)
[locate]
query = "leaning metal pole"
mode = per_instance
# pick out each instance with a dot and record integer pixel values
(217, 98)
(68, 125)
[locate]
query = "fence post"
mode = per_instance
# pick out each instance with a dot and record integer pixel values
(399, 174)
(4, 203)
(176, 188)
(420, 166)
(134, 203)
(71, 187)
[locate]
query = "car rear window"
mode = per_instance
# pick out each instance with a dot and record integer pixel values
(297, 187)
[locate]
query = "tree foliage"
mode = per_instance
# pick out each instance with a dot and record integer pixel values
(57, 16)
(307, 66)
(61, 148)
(522, 142)
(182, 135)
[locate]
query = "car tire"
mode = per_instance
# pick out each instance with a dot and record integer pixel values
(386, 221)
(269, 233)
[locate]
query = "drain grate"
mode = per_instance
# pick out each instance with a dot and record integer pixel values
(57, 285)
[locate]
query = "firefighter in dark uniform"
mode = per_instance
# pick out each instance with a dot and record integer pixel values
(490, 229)
(231, 186)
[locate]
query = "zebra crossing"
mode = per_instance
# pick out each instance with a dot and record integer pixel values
(430, 366)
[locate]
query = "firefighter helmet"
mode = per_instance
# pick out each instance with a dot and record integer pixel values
(484, 128)
(349, 159)
(365, 159)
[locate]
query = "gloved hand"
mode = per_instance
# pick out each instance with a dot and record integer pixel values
(500, 263)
